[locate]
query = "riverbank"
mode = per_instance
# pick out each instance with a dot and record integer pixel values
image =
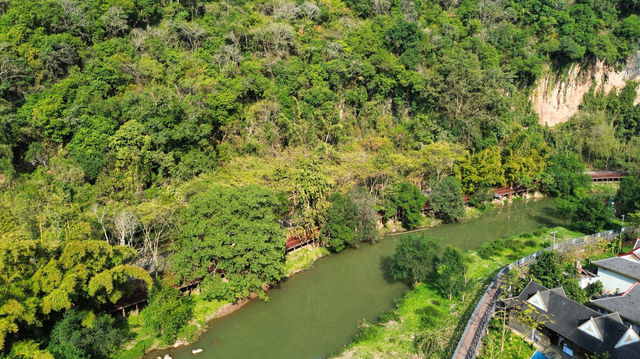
(497, 219)
(315, 313)
(205, 311)
(424, 321)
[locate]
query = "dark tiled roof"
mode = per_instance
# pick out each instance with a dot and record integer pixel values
(564, 316)
(627, 304)
(620, 265)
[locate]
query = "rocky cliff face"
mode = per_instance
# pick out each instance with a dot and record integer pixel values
(556, 100)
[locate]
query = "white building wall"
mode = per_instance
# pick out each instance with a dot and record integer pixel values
(584, 281)
(614, 282)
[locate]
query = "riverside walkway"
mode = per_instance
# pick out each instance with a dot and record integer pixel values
(606, 176)
(470, 341)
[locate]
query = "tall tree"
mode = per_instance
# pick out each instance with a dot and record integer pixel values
(628, 195)
(231, 231)
(446, 199)
(339, 230)
(450, 279)
(565, 176)
(415, 258)
(546, 269)
(85, 335)
(405, 203)
(591, 214)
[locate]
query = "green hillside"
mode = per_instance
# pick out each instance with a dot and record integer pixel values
(192, 137)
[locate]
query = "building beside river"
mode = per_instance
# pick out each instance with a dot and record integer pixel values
(618, 274)
(626, 304)
(550, 319)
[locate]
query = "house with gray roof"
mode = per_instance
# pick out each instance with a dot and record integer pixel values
(626, 304)
(618, 274)
(549, 318)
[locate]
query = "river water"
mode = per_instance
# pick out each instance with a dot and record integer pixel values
(316, 313)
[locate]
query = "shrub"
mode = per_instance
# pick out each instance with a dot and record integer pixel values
(167, 312)
(214, 288)
(83, 335)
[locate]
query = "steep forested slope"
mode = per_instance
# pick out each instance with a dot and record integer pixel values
(115, 113)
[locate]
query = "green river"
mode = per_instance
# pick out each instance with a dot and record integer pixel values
(316, 313)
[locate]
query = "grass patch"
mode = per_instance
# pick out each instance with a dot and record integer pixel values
(141, 342)
(429, 221)
(136, 351)
(604, 188)
(203, 310)
(303, 258)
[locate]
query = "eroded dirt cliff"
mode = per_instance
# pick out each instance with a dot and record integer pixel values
(556, 98)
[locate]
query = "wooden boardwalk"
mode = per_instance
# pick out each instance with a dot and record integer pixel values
(138, 298)
(606, 176)
(294, 243)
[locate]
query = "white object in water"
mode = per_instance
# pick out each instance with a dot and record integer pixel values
(196, 351)
(167, 356)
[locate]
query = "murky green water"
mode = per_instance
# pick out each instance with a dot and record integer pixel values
(316, 313)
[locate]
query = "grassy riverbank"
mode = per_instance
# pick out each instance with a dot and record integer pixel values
(422, 313)
(204, 311)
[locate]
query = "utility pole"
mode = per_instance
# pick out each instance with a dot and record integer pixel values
(619, 244)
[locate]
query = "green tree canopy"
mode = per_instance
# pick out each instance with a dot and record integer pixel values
(339, 230)
(446, 199)
(591, 214)
(546, 269)
(83, 335)
(628, 195)
(166, 313)
(231, 231)
(40, 278)
(415, 258)
(450, 279)
(405, 203)
(565, 176)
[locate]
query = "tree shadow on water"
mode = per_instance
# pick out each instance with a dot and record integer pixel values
(548, 218)
(385, 266)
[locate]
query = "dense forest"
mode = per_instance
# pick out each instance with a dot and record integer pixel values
(175, 141)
